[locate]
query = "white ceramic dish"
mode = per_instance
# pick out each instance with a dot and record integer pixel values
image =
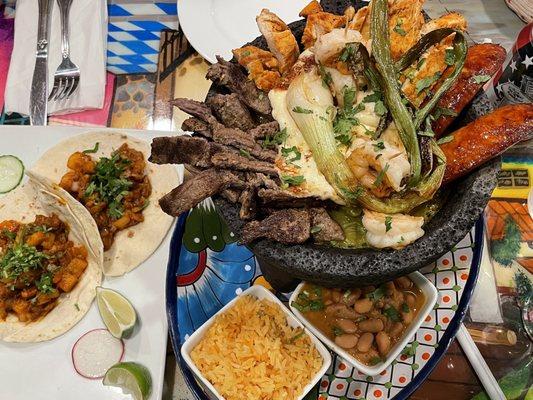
(261, 293)
(215, 27)
(48, 371)
(430, 293)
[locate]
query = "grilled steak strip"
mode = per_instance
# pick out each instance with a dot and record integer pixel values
(181, 150)
(481, 59)
(225, 73)
(248, 204)
(229, 160)
(285, 226)
(485, 138)
(198, 110)
(197, 126)
(264, 130)
(277, 198)
(326, 229)
(194, 190)
(231, 111)
(244, 142)
(230, 194)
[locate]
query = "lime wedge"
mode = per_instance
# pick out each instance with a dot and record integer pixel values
(116, 311)
(132, 378)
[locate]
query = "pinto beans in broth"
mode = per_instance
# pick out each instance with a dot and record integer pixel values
(366, 322)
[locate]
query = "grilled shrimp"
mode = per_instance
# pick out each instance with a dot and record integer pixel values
(396, 231)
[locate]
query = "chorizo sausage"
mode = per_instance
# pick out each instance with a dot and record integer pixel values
(485, 138)
(481, 59)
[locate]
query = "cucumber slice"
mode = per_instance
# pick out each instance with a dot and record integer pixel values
(11, 173)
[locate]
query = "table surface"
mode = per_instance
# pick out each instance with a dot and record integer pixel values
(140, 101)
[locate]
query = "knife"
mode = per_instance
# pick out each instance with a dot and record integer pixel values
(39, 84)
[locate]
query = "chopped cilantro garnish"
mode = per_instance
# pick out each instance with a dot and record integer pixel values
(245, 53)
(45, 284)
(398, 28)
(379, 108)
(377, 294)
(345, 139)
(301, 110)
(245, 153)
(109, 183)
(337, 331)
(77, 306)
(388, 223)
(93, 150)
(275, 140)
(326, 76)
(19, 259)
(481, 78)
(392, 313)
(441, 111)
(427, 82)
(379, 146)
(288, 180)
(405, 308)
(449, 57)
(420, 63)
(8, 234)
(372, 98)
(296, 337)
(287, 151)
(381, 175)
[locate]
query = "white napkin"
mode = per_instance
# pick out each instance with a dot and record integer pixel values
(88, 46)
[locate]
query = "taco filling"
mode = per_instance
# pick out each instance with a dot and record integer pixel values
(114, 189)
(37, 263)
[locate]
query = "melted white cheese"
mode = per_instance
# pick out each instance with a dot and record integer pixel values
(315, 183)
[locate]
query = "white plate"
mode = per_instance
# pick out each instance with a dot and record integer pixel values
(430, 294)
(215, 27)
(261, 293)
(44, 370)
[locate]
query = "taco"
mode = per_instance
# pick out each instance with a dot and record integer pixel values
(109, 174)
(50, 262)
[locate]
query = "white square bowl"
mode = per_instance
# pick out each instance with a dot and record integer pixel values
(260, 293)
(430, 294)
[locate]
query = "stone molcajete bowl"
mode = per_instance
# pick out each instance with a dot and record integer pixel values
(329, 266)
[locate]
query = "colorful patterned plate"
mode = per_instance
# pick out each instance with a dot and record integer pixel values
(207, 268)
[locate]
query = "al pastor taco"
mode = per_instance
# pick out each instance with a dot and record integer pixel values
(108, 173)
(50, 262)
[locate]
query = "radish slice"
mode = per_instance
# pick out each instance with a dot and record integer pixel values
(95, 352)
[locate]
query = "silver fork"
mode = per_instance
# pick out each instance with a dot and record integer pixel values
(67, 76)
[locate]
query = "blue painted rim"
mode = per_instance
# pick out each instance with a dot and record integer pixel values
(444, 343)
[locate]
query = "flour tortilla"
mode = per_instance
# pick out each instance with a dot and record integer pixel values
(135, 244)
(22, 205)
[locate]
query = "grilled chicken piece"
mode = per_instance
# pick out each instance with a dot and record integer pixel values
(280, 39)
(405, 22)
(285, 226)
(312, 8)
(319, 24)
(451, 20)
(434, 65)
(485, 138)
(359, 19)
(262, 66)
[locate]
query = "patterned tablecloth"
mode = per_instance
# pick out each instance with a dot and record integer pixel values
(150, 62)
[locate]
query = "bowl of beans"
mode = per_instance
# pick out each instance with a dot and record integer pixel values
(367, 326)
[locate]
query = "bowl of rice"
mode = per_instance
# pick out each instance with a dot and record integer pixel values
(254, 348)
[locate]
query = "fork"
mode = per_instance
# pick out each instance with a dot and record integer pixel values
(67, 75)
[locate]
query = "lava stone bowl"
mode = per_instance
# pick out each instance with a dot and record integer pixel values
(283, 265)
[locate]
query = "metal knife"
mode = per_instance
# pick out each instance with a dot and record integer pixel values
(39, 84)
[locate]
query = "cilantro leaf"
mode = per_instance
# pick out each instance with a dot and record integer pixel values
(381, 175)
(388, 223)
(481, 78)
(392, 313)
(379, 108)
(427, 82)
(287, 151)
(93, 150)
(245, 153)
(301, 110)
(288, 180)
(275, 140)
